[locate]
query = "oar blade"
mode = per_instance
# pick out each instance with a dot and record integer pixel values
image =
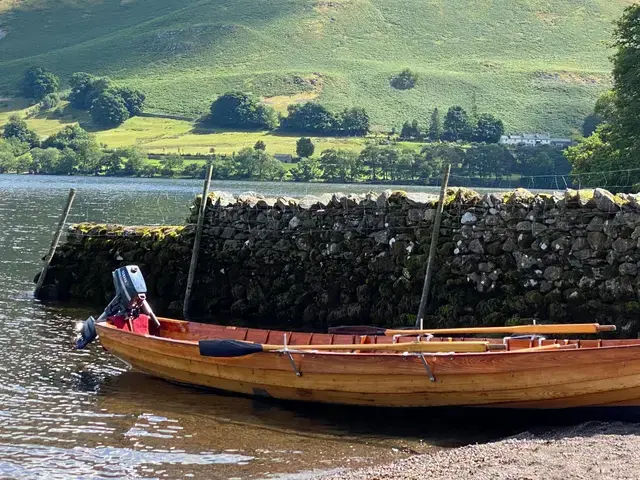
(227, 348)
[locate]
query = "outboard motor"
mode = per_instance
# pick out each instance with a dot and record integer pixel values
(130, 300)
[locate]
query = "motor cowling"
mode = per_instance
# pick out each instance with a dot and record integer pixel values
(129, 301)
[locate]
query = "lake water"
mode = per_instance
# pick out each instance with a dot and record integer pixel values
(83, 414)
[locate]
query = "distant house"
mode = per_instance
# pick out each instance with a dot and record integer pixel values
(562, 142)
(529, 139)
(535, 140)
(285, 158)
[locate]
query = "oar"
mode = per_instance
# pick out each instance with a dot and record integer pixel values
(560, 328)
(238, 348)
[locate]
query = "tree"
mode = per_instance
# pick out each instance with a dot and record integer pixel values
(260, 145)
(239, 110)
(435, 127)
(50, 101)
(134, 159)
(8, 161)
(258, 164)
(310, 117)
(170, 164)
(434, 156)
(591, 122)
(404, 80)
(109, 110)
(17, 128)
(82, 86)
(615, 144)
(133, 99)
(67, 162)
(306, 170)
(488, 129)
(488, 160)
(341, 165)
(71, 136)
(44, 160)
(456, 125)
(410, 131)
(354, 122)
(305, 147)
(38, 82)
(596, 154)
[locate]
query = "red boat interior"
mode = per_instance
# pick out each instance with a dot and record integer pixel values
(191, 331)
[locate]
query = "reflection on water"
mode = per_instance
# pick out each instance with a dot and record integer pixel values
(83, 414)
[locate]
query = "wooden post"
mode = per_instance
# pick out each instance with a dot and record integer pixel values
(54, 242)
(432, 250)
(196, 243)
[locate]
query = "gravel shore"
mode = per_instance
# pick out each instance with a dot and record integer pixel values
(593, 450)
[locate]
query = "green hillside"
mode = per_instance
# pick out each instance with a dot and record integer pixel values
(538, 64)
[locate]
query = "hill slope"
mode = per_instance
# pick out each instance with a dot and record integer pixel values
(536, 63)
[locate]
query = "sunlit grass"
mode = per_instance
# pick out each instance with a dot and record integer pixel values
(539, 65)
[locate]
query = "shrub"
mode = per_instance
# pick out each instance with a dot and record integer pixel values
(404, 80)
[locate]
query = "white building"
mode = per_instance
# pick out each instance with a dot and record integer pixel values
(529, 139)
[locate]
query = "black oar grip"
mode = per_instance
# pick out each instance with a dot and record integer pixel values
(357, 330)
(227, 348)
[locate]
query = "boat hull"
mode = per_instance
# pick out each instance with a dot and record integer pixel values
(585, 377)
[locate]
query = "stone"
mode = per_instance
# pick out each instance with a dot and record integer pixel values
(519, 196)
(621, 245)
(630, 269)
(583, 254)
(611, 229)
(579, 243)
(524, 261)
(415, 215)
(294, 223)
(303, 244)
(523, 226)
(605, 201)
(538, 228)
(381, 237)
(510, 245)
(597, 240)
(636, 233)
(553, 273)
(545, 286)
(468, 219)
(476, 246)
(595, 225)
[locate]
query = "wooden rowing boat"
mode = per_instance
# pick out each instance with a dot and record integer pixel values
(512, 372)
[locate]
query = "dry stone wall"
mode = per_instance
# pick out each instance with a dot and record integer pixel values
(360, 259)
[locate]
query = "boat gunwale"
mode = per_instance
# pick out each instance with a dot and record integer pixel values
(378, 354)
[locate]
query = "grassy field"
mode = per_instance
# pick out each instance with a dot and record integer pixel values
(161, 135)
(537, 64)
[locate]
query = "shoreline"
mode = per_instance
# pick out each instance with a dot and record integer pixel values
(591, 450)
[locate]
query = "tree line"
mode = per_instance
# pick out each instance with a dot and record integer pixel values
(244, 111)
(458, 126)
(72, 150)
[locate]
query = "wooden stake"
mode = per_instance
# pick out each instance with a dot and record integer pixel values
(432, 250)
(54, 242)
(196, 243)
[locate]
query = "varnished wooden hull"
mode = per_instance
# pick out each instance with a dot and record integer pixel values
(607, 375)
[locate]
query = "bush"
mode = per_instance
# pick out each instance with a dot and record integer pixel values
(405, 80)
(50, 101)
